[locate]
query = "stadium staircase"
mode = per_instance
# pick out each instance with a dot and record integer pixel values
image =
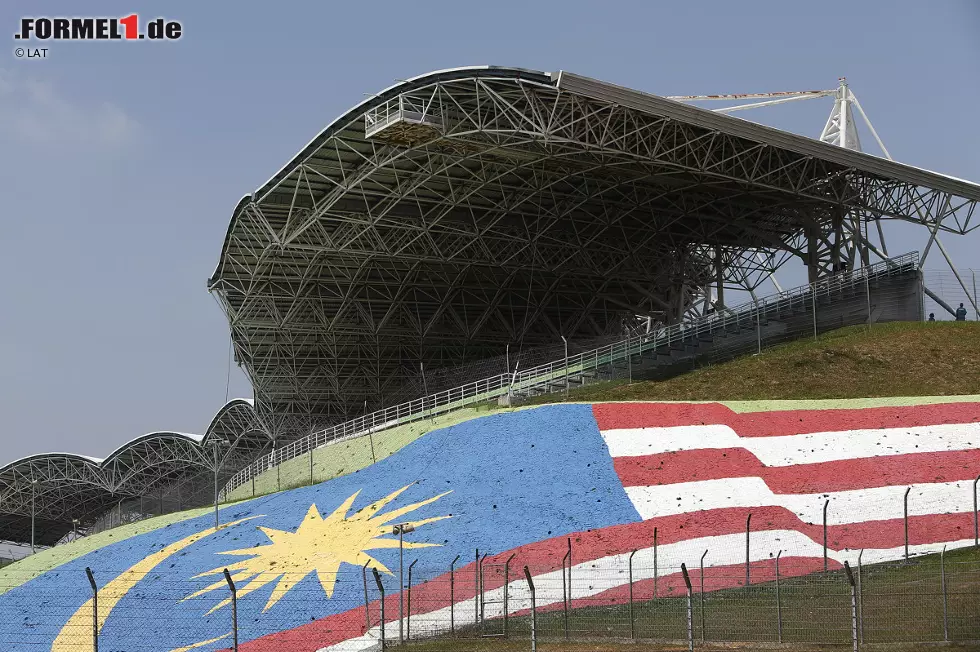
(841, 300)
(886, 291)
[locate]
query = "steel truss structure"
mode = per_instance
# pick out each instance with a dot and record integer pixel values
(464, 210)
(61, 491)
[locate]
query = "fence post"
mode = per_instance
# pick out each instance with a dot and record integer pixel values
(569, 585)
(566, 366)
(748, 534)
(452, 595)
(311, 464)
(867, 291)
(476, 589)
(942, 580)
(95, 609)
(826, 502)
(701, 596)
(632, 619)
(367, 610)
(507, 590)
(976, 531)
(654, 562)
(408, 624)
(779, 604)
(534, 612)
(813, 303)
(381, 589)
(854, 619)
(480, 571)
(905, 519)
(690, 621)
(234, 610)
(629, 359)
(975, 302)
(564, 590)
(860, 600)
(758, 328)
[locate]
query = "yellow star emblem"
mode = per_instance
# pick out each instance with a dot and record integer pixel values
(319, 544)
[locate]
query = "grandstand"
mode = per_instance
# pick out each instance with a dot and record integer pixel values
(479, 234)
(462, 211)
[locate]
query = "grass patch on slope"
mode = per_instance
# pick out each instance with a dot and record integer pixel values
(29, 567)
(896, 359)
(334, 460)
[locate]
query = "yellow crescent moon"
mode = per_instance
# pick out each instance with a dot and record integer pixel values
(76, 635)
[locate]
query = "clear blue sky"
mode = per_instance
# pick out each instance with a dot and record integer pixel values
(120, 163)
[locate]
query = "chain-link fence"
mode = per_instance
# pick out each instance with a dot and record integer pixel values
(499, 604)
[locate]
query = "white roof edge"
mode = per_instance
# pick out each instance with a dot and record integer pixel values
(193, 437)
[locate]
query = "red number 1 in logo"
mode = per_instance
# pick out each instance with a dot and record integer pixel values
(131, 23)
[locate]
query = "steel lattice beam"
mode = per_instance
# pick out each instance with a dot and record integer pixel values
(494, 206)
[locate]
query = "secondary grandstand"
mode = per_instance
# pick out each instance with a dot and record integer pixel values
(47, 497)
(467, 224)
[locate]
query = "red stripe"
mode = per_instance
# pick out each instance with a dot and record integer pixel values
(775, 423)
(543, 556)
(838, 475)
(619, 539)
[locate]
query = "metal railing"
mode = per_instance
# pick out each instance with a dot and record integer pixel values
(403, 107)
(556, 376)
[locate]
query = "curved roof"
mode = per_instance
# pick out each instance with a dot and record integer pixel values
(627, 97)
(157, 466)
(463, 210)
(356, 112)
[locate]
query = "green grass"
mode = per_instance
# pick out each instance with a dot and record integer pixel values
(901, 604)
(29, 567)
(335, 460)
(889, 360)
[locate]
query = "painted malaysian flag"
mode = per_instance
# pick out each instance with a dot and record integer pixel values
(525, 486)
(694, 473)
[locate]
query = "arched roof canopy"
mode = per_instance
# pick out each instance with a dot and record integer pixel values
(464, 210)
(63, 487)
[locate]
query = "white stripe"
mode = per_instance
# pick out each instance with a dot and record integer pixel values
(787, 450)
(596, 576)
(853, 506)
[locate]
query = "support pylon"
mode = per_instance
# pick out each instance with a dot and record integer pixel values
(841, 128)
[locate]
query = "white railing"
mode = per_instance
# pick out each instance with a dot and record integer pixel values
(403, 107)
(554, 376)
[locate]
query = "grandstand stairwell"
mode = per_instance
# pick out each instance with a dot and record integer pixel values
(887, 292)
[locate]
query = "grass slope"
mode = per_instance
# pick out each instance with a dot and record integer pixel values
(897, 359)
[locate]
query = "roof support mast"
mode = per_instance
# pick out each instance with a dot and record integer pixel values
(841, 130)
